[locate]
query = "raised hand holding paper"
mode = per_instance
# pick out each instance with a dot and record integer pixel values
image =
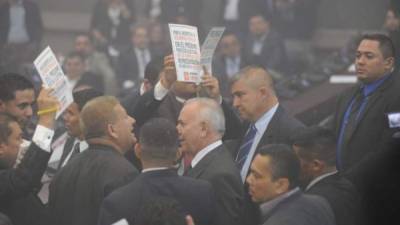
(53, 77)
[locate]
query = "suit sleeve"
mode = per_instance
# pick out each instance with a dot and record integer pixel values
(229, 200)
(145, 108)
(24, 179)
(232, 123)
(106, 216)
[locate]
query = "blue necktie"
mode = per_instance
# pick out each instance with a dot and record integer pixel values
(246, 146)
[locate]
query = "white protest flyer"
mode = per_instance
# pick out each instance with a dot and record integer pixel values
(186, 49)
(209, 46)
(53, 77)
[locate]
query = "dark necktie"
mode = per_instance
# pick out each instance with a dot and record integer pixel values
(69, 143)
(76, 150)
(246, 146)
(350, 124)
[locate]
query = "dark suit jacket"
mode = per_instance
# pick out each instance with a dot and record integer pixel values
(372, 136)
(218, 168)
(341, 195)
(280, 129)
(300, 209)
(219, 71)
(25, 179)
(33, 21)
(371, 158)
(196, 197)
(102, 22)
(170, 9)
(78, 189)
(246, 9)
(128, 67)
(273, 53)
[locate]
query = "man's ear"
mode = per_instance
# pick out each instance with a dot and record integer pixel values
(2, 150)
(389, 62)
(317, 166)
(2, 106)
(138, 151)
(282, 185)
(111, 131)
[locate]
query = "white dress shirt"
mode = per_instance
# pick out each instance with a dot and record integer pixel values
(202, 153)
(42, 137)
(231, 12)
(261, 125)
(317, 179)
(18, 33)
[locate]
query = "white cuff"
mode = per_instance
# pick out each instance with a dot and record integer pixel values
(160, 91)
(42, 137)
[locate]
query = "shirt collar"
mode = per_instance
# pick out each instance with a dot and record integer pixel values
(202, 153)
(154, 169)
(268, 206)
(370, 88)
(317, 179)
(265, 119)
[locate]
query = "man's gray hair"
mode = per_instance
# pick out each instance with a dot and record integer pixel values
(210, 111)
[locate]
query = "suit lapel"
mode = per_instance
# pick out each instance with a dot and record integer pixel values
(343, 106)
(272, 129)
(377, 95)
(204, 162)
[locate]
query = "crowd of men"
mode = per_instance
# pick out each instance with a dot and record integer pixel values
(139, 147)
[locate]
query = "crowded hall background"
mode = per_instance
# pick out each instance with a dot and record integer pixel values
(297, 122)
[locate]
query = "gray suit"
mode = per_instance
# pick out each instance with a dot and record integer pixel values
(299, 209)
(218, 168)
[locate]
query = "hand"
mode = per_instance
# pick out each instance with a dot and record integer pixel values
(99, 36)
(211, 84)
(47, 102)
(189, 220)
(168, 77)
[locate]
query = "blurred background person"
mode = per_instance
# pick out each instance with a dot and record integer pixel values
(78, 76)
(264, 46)
(96, 62)
(133, 61)
(21, 31)
(110, 25)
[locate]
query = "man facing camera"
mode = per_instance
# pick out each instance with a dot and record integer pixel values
(201, 125)
(273, 181)
(25, 178)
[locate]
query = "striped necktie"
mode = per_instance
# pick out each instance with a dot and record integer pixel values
(246, 146)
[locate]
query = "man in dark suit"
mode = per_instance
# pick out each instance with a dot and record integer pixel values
(273, 184)
(266, 122)
(228, 62)
(171, 11)
(25, 178)
(263, 46)
(316, 149)
(157, 150)
(201, 125)
(78, 189)
(133, 61)
(364, 130)
(21, 31)
(236, 13)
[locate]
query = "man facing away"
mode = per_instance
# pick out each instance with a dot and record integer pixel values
(158, 150)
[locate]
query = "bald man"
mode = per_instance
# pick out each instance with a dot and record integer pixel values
(78, 189)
